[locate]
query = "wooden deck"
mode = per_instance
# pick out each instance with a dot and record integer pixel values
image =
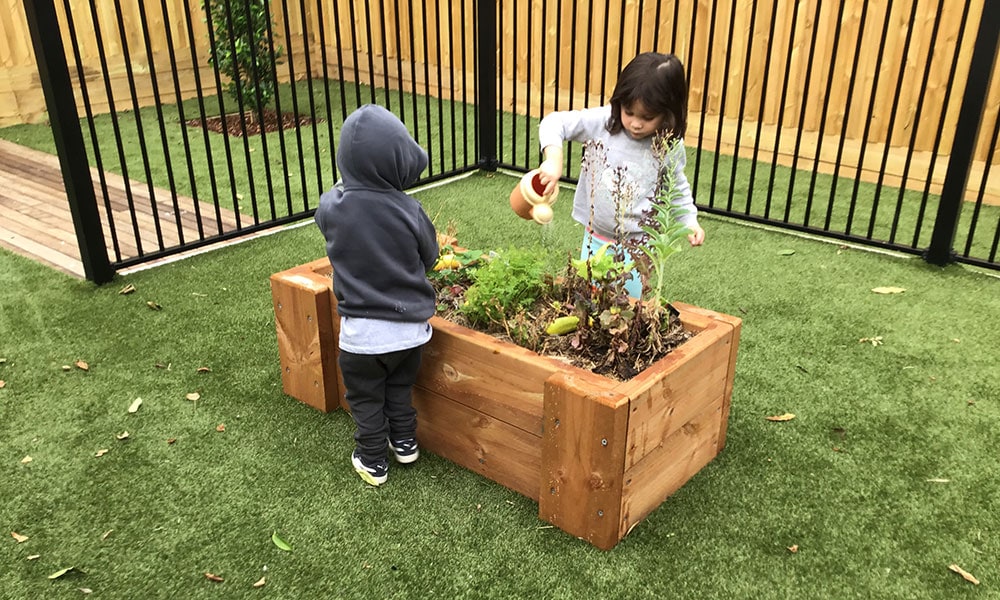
(35, 219)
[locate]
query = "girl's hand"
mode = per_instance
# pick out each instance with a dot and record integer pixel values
(551, 169)
(697, 236)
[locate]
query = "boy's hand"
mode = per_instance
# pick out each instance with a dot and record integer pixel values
(697, 236)
(551, 169)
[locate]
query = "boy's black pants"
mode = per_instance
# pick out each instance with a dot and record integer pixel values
(378, 392)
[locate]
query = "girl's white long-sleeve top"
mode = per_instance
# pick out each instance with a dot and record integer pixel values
(627, 167)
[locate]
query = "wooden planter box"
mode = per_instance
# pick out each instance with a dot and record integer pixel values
(596, 454)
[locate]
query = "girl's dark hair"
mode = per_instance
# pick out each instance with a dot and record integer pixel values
(658, 81)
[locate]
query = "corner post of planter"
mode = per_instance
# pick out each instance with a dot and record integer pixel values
(486, 86)
(304, 310)
(583, 458)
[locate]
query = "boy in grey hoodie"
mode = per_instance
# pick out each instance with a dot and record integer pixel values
(381, 244)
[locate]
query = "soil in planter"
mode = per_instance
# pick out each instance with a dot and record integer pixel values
(235, 125)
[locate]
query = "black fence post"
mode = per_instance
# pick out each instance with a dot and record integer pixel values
(984, 54)
(60, 100)
(486, 86)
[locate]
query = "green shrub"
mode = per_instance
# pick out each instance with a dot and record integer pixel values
(243, 49)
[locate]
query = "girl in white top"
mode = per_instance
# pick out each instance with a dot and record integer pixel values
(650, 97)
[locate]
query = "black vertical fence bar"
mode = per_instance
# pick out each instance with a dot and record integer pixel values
(213, 52)
(385, 54)
(890, 127)
(115, 125)
(272, 53)
(140, 130)
(339, 40)
(326, 92)
(741, 114)
(454, 81)
(181, 116)
(831, 82)
(370, 52)
(167, 160)
(64, 120)
(258, 108)
(846, 120)
(296, 111)
(440, 86)
(706, 82)
(868, 122)
(781, 115)
(465, 86)
(801, 126)
(514, 29)
(91, 125)
(940, 129)
(429, 144)
(354, 51)
(486, 91)
(984, 56)
(722, 110)
(195, 62)
(529, 58)
(917, 119)
(399, 64)
(974, 221)
(761, 106)
(414, 97)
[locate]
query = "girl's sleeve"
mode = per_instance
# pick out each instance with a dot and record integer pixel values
(575, 125)
(685, 199)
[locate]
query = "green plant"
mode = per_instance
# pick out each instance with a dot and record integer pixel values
(243, 49)
(504, 286)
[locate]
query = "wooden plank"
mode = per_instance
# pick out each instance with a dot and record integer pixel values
(486, 374)
(17, 243)
(583, 455)
(670, 393)
(663, 472)
(737, 327)
(496, 450)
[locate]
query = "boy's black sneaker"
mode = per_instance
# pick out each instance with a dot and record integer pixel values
(373, 473)
(405, 451)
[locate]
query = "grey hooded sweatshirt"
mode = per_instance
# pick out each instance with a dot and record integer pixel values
(380, 241)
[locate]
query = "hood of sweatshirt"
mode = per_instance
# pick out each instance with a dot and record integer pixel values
(396, 167)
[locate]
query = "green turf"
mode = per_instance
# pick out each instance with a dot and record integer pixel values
(848, 480)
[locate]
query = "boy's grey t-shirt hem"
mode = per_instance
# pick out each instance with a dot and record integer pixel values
(377, 336)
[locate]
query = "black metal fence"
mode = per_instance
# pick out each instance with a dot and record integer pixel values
(471, 79)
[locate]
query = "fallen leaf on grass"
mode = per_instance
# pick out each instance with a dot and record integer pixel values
(280, 543)
(82, 365)
(128, 289)
(220, 427)
(965, 574)
(780, 418)
(105, 535)
(888, 290)
(786, 252)
(86, 590)
(260, 582)
(213, 577)
(20, 538)
(936, 480)
(33, 557)
(874, 341)
(26, 460)
(62, 572)
(193, 396)
(204, 369)
(122, 436)
(101, 453)
(135, 405)
(171, 440)
(162, 366)
(793, 548)
(2, 384)
(153, 305)
(67, 368)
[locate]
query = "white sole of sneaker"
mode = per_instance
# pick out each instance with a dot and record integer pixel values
(365, 475)
(407, 459)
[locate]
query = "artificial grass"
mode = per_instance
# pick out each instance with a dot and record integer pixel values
(848, 480)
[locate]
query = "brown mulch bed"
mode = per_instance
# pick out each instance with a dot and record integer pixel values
(235, 125)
